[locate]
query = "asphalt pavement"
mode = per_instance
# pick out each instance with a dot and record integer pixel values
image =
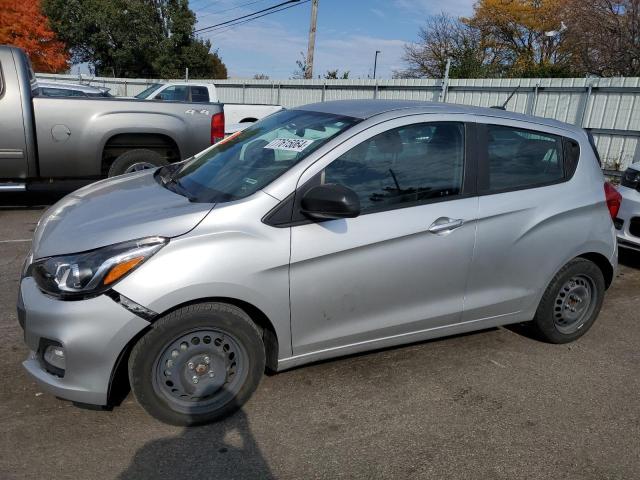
(496, 404)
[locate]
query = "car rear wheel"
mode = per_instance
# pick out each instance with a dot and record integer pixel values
(136, 160)
(571, 303)
(198, 364)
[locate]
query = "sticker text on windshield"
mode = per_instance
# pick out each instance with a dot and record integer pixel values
(289, 144)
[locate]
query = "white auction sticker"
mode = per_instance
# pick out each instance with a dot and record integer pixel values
(289, 144)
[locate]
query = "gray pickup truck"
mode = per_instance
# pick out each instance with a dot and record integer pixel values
(45, 140)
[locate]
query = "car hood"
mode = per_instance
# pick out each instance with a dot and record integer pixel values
(112, 211)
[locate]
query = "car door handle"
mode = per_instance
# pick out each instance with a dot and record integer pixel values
(445, 224)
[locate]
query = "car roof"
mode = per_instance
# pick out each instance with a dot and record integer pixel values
(364, 109)
(70, 86)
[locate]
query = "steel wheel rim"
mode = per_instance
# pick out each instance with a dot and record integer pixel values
(574, 304)
(200, 370)
(138, 166)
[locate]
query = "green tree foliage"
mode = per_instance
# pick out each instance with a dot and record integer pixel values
(134, 38)
(335, 75)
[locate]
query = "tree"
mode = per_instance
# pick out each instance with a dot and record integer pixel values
(261, 76)
(517, 30)
(603, 36)
(301, 72)
(334, 75)
(22, 24)
(444, 37)
(134, 38)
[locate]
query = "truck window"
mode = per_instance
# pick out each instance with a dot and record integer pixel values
(200, 94)
(174, 93)
(61, 92)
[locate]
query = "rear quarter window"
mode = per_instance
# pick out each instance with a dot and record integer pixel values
(571, 157)
(517, 158)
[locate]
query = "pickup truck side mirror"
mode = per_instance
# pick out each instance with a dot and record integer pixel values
(330, 201)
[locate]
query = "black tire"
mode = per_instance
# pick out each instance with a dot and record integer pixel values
(147, 364)
(551, 322)
(139, 156)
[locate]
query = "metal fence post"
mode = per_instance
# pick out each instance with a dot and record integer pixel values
(279, 102)
(445, 82)
(125, 88)
(244, 87)
(375, 91)
(585, 104)
(324, 90)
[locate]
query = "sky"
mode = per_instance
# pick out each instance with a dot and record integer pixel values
(349, 32)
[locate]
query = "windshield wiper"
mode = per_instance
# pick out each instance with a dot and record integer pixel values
(170, 182)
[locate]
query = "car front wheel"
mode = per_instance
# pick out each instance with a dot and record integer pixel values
(197, 364)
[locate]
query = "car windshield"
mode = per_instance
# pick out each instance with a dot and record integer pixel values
(249, 160)
(147, 91)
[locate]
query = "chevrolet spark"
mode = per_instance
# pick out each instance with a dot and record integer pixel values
(317, 232)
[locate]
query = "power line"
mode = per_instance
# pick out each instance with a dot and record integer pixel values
(219, 31)
(204, 9)
(210, 27)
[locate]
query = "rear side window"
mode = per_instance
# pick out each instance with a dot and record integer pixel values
(571, 156)
(518, 158)
(402, 167)
(174, 93)
(199, 94)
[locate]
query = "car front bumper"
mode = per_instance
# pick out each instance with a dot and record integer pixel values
(629, 210)
(93, 333)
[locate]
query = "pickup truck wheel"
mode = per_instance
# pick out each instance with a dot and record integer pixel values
(136, 160)
(197, 364)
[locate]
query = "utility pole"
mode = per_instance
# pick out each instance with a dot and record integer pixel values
(375, 63)
(308, 72)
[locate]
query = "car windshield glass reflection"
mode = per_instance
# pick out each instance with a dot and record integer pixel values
(249, 160)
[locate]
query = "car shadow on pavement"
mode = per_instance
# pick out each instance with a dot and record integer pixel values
(224, 450)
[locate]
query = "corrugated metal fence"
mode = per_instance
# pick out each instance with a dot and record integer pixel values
(608, 106)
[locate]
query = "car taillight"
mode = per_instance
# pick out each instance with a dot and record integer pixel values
(217, 127)
(613, 199)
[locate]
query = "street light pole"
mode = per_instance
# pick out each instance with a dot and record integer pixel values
(375, 63)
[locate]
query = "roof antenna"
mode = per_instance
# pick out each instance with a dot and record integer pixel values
(504, 105)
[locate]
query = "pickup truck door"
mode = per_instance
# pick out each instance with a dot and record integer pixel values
(13, 143)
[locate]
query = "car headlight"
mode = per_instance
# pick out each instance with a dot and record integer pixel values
(93, 272)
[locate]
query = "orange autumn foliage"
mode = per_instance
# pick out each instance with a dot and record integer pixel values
(23, 25)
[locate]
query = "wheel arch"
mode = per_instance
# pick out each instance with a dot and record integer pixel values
(119, 143)
(119, 381)
(602, 263)
(269, 336)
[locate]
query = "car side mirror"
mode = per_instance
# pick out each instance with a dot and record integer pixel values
(330, 201)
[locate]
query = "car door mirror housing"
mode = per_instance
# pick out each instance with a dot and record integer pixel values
(330, 201)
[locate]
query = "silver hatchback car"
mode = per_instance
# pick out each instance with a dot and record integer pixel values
(317, 232)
